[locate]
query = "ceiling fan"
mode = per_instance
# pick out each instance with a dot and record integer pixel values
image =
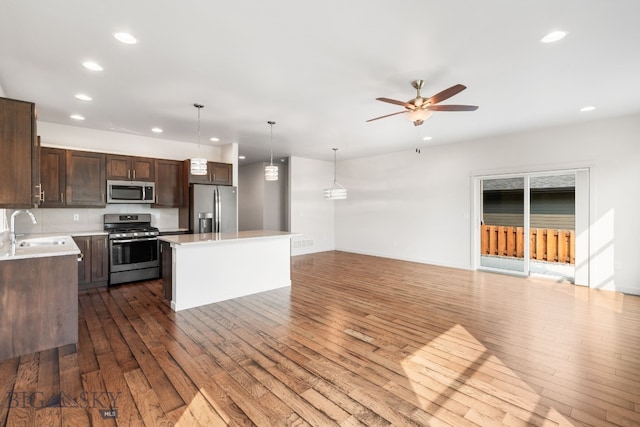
(419, 109)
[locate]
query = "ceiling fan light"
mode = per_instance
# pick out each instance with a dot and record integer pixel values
(419, 114)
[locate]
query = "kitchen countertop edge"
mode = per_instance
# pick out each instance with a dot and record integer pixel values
(10, 252)
(214, 238)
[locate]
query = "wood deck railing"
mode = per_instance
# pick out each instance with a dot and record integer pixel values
(545, 244)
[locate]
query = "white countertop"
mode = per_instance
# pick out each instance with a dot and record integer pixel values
(89, 233)
(209, 238)
(39, 246)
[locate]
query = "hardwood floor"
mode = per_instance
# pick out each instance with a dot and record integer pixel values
(356, 340)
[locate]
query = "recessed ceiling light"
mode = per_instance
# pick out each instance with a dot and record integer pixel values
(554, 36)
(90, 65)
(76, 117)
(427, 138)
(241, 157)
(125, 38)
(83, 97)
(588, 108)
(214, 139)
(156, 130)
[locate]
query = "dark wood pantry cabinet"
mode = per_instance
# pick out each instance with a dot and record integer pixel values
(19, 155)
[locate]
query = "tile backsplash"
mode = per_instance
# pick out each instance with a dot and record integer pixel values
(70, 220)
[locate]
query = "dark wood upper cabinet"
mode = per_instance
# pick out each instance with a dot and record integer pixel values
(53, 176)
(19, 156)
(86, 181)
(221, 173)
(130, 168)
(169, 184)
(217, 173)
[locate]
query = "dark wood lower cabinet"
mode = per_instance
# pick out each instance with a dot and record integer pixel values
(93, 268)
(38, 304)
(167, 270)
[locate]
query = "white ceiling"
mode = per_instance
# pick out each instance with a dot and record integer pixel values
(315, 68)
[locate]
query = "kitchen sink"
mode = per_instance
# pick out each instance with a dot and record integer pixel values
(41, 242)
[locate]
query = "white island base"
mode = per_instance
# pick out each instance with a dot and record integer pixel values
(212, 267)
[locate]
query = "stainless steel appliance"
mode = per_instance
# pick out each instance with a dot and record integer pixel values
(133, 248)
(131, 192)
(213, 208)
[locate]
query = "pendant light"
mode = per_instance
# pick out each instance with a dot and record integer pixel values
(271, 171)
(198, 164)
(336, 191)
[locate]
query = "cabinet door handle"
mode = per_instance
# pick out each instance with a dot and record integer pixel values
(39, 194)
(128, 173)
(62, 197)
(134, 174)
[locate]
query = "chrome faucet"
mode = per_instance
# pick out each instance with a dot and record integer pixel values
(12, 232)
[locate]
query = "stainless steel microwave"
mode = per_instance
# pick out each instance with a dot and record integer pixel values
(130, 192)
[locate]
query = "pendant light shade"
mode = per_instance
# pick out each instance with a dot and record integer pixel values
(336, 191)
(198, 164)
(271, 171)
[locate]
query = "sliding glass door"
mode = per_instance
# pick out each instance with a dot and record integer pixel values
(552, 213)
(502, 224)
(527, 223)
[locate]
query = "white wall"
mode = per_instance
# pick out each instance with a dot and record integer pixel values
(275, 200)
(250, 197)
(417, 206)
(262, 205)
(78, 138)
(310, 213)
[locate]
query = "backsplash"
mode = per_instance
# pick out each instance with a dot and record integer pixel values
(70, 220)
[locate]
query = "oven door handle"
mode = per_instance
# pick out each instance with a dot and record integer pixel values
(133, 240)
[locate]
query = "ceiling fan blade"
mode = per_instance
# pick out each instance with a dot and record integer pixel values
(447, 93)
(388, 115)
(396, 102)
(453, 107)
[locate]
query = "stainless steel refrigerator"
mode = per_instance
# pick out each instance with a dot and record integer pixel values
(213, 209)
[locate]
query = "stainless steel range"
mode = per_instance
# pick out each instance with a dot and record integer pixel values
(133, 248)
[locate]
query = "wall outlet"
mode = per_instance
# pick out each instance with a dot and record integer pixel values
(76, 217)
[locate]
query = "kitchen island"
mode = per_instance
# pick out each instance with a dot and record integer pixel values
(210, 267)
